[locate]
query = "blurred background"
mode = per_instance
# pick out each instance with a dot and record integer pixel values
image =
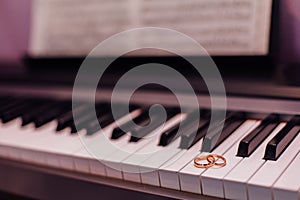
(14, 26)
(15, 23)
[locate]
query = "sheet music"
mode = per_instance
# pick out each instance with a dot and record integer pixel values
(223, 27)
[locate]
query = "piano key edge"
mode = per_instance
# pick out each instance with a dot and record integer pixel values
(32, 173)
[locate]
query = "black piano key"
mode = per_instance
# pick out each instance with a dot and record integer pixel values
(282, 139)
(14, 102)
(17, 111)
(249, 143)
(189, 138)
(119, 131)
(40, 109)
(107, 119)
(169, 135)
(232, 122)
(146, 127)
(73, 128)
(102, 121)
(193, 129)
(139, 133)
(83, 121)
(5, 99)
(50, 115)
(102, 108)
(103, 113)
(66, 119)
(10, 109)
(189, 125)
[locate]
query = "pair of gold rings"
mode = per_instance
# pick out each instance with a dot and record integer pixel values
(211, 160)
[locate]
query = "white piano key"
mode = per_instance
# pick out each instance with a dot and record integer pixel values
(4, 151)
(92, 152)
(134, 166)
(116, 161)
(93, 148)
(47, 146)
(113, 161)
(63, 144)
(42, 145)
(212, 179)
(168, 173)
(57, 148)
(235, 183)
(97, 167)
(66, 162)
(64, 149)
(149, 168)
(288, 185)
(130, 166)
(82, 165)
(260, 185)
(22, 138)
(54, 145)
(189, 176)
(83, 157)
(98, 162)
(9, 133)
(86, 159)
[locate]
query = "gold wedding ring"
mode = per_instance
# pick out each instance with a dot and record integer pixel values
(222, 160)
(211, 160)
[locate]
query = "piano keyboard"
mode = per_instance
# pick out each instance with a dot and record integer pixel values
(262, 152)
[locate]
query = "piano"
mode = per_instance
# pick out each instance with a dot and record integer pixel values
(53, 145)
